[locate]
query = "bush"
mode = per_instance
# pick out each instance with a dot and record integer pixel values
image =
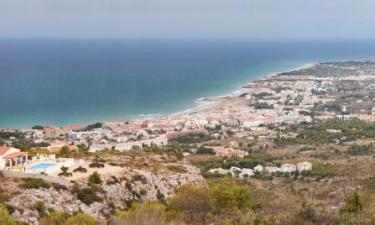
(228, 197)
(34, 183)
(64, 172)
(94, 178)
(321, 170)
(40, 207)
(5, 218)
(113, 180)
(81, 219)
(205, 150)
(352, 204)
(177, 169)
(80, 169)
(54, 218)
(151, 213)
(192, 201)
(357, 150)
(97, 163)
(87, 195)
(192, 137)
(64, 152)
(59, 187)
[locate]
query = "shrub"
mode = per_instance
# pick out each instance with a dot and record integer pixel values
(54, 218)
(64, 152)
(357, 150)
(143, 192)
(321, 170)
(81, 219)
(40, 207)
(64, 172)
(113, 180)
(192, 201)
(205, 150)
(97, 163)
(352, 204)
(94, 178)
(192, 137)
(59, 187)
(228, 197)
(34, 183)
(87, 195)
(80, 169)
(5, 218)
(177, 169)
(151, 213)
(4, 197)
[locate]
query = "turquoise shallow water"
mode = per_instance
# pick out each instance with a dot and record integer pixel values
(83, 81)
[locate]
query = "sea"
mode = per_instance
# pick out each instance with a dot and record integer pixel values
(69, 81)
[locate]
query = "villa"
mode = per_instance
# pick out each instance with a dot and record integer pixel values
(12, 158)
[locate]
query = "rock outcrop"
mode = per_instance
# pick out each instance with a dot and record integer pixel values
(130, 186)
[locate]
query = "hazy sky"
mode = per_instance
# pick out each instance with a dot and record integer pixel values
(188, 18)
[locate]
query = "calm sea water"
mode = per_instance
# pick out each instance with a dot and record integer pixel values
(83, 81)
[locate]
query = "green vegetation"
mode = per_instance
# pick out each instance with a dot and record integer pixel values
(80, 169)
(5, 218)
(87, 195)
(204, 150)
(322, 170)
(177, 169)
(356, 150)
(262, 105)
(37, 127)
(249, 161)
(54, 218)
(57, 218)
(93, 126)
(152, 213)
(322, 133)
(40, 207)
(27, 145)
(34, 183)
(64, 152)
(352, 204)
(94, 178)
(97, 163)
(64, 172)
(192, 202)
(192, 137)
(81, 219)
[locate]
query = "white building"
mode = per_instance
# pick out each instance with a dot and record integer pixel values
(304, 166)
(258, 168)
(288, 168)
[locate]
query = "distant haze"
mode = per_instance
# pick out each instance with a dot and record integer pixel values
(271, 19)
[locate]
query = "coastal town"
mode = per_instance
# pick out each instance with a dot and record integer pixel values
(297, 124)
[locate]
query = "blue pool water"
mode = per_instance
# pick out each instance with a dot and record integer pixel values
(42, 167)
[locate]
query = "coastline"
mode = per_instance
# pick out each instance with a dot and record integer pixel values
(200, 104)
(208, 102)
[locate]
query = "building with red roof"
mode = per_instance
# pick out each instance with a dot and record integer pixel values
(11, 157)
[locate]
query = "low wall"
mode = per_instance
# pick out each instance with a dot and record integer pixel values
(47, 178)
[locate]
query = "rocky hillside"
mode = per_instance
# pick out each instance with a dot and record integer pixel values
(102, 197)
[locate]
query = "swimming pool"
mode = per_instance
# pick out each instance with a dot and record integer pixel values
(41, 167)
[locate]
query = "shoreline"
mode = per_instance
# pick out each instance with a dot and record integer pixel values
(211, 101)
(199, 105)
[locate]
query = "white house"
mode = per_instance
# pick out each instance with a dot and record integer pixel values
(12, 157)
(258, 168)
(304, 166)
(288, 168)
(246, 173)
(272, 169)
